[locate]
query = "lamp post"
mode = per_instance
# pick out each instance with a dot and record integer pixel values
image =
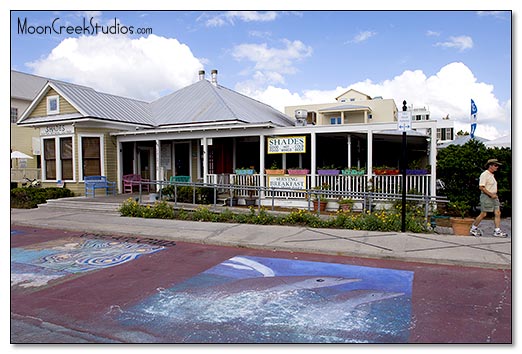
(403, 172)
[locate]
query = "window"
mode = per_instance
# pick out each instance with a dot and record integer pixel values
(91, 156)
(449, 133)
(14, 114)
(370, 116)
(66, 158)
(53, 104)
(439, 134)
(335, 120)
(50, 158)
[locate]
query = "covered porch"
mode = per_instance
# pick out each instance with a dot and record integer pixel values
(223, 154)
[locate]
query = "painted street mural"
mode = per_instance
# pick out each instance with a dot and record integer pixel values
(37, 264)
(268, 300)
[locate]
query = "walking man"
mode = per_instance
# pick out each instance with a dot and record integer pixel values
(489, 201)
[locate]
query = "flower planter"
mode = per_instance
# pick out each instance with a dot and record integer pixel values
(245, 171)
(320, 205)
(328, 172)
(417, 172)
(298, 172)
(461, 226)
(250, 201)
(275, 172)
(353, 172)
(386, 171)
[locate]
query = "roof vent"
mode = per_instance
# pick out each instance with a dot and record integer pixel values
(300, 117)
(213, 74)
(201, 75)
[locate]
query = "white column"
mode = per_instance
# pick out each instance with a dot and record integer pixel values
(370, 153)
(205, 160)
(433, 160)
(349, 150)
(158, 164)
(262, 161)
(118, 163)
(313, 153)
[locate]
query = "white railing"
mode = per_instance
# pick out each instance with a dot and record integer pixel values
(386, 184)
(20, 174)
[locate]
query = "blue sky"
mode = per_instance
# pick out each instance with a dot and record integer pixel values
(437, 59)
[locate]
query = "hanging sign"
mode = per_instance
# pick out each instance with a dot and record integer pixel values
(286, 145)
(287, 182)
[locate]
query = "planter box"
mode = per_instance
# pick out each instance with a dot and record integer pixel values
(417, 172)
(328, 172)
(244, 172)
(387, 171)
(298, 172)
(353, 172)
(275, 172)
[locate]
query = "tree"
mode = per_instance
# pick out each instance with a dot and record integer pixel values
(460, 166)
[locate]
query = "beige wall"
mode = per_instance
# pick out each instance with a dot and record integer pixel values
(41, 108)
(382, 110)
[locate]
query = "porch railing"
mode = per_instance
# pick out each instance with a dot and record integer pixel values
(381, 184)
(20, 174)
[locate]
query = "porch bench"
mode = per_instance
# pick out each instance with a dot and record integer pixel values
(178, 179)
(98, 182)
(132, 181)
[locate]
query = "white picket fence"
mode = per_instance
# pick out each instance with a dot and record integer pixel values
(386, 184)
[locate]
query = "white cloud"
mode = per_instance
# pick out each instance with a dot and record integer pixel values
(270, 64)
(229, 17)
(461, 43)
(140, 68)
(430, 33)
(448, 92)
(362, 36)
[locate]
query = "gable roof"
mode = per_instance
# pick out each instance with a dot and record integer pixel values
(201, 102)
(26, 86)
(353, 90)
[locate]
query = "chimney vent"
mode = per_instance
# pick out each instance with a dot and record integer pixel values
(201, 75)
(213, 74)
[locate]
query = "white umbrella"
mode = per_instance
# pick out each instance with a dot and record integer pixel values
(19, 155)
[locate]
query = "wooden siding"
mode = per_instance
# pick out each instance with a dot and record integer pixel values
(41, 108)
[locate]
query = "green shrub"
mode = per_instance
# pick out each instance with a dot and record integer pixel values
(27, 198)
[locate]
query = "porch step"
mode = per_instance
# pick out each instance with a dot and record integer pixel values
(70, 203)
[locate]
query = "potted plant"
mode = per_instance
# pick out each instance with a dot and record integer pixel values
(346, 204)
(298, 171)
(460, 220)
(319, 199)
(274, 169)
(330, 170)
(250, 200)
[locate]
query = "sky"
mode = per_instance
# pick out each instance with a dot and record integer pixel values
(438, 59)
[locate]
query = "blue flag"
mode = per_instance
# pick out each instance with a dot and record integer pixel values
(473, 118)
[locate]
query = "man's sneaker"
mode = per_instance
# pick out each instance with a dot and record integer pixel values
(499, 233)
(476, 232)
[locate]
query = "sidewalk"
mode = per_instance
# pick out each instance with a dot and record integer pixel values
(486, 251)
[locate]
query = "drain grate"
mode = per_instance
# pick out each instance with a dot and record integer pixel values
(131, 239)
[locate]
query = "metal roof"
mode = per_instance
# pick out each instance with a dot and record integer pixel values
(344, 108)
(26, 86)
(204, 102)
(201, 102)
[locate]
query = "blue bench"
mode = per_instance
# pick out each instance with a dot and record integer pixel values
(98, 182)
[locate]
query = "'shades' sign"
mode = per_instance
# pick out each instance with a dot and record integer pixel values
(287, 144)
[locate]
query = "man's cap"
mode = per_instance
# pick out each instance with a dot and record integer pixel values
(492, 162)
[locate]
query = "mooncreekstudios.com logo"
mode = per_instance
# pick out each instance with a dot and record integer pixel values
(90, 27)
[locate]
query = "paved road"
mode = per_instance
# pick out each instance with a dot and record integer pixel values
(76, 287)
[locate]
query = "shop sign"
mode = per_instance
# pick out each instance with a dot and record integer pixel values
(287, 182)
(57, 129)
(286, 145)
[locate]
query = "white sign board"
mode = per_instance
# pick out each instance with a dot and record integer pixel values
(404, 121)
(286, 144)
(287, 182)
(57, 129)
